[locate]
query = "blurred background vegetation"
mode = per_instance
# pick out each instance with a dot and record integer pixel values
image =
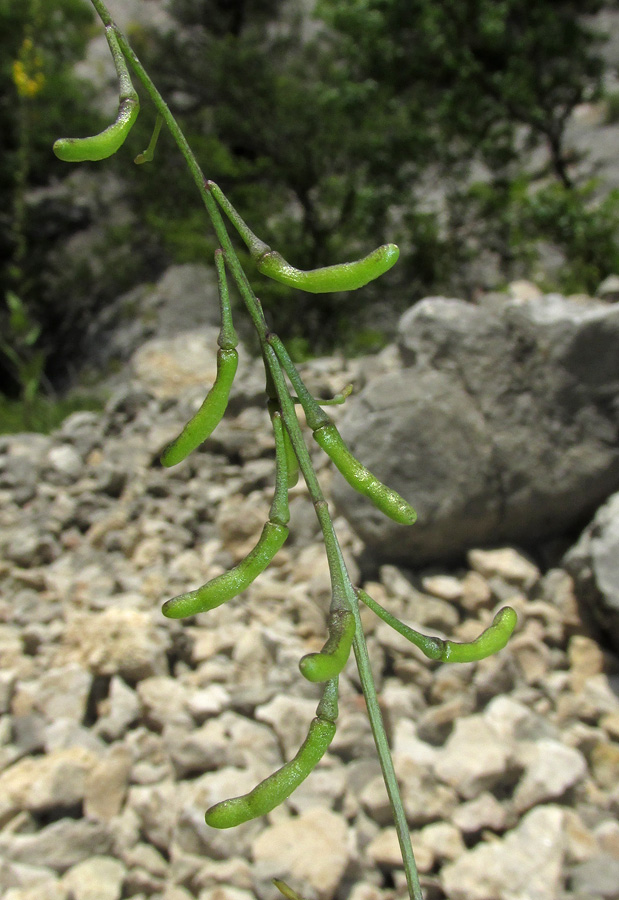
(333, 126)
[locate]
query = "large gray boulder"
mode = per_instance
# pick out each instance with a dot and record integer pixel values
(501, 426)
(594, 563)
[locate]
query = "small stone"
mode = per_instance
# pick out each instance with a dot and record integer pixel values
(551, 770)
(443, 839)
(58, 846)
(163, 702)
(28, 546)
(445, 587)
(526, 863)
(476, 592)
(107, 784)
(610, 724)
(475, 757)
(312, 847)
(484, 812)
(581, 843)
(607, 835)
(505, 563)
(609, 289)
(605, 765)
(118, 641)
(424, 799)
(63, 693)
(65, 462)
(118, 711)
(523, 291)
(585, 658)
(207, 702)
(7, 684)
(532, 657)
(40, 784)
(384, 850)
(98, 878)
(598, 877)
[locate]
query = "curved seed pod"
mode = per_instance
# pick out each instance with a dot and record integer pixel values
(346, 276)
(490, 641)
(330, 661)
(342, 277)
(286, 890)
(280, 785)
(277, 787)
(283, 446)
(226, 586)
(100, 146)
(292, 463)
(210, 414)
(361, 479)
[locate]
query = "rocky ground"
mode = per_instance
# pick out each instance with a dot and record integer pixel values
(119, 727)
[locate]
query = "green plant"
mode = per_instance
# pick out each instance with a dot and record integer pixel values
(27, 361)
(345, 626)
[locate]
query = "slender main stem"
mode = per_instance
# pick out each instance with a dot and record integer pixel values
(343, 590)
(342, 586)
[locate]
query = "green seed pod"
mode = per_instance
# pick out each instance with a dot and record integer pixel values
(228, 585)
(210, 414)
(100, 146)
(330, 661)
(283, 445)
(286, 890)
(277, 787)
(490, 641)
(342, 277)
(361, 479)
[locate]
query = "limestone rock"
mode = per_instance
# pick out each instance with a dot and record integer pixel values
(524, 865)
(312, 848)
(499, 429)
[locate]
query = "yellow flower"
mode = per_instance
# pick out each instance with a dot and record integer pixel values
(28, 74)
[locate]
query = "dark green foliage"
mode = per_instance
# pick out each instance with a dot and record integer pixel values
(39, 42)
(328, 143)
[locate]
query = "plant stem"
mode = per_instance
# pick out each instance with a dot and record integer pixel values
(342, 585)
(344, 593)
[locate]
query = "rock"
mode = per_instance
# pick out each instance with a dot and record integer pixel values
(507, 564)
(609, 289)
(598, 877)
(120, 709)
(107, 784)
(594, 565)
(58, 846)
(605, 764)
(98, 878)
(163, 702)
(312, 848)
(484, 812)
(165, 366)
(524, 865)
(28, 546)
(42, 784)
(469, 772)
(384, 850)
(551, 769)
(480, 467)
(443, 839)
(585, 659)
(118, 641)
(65, 464)
(63, 693)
